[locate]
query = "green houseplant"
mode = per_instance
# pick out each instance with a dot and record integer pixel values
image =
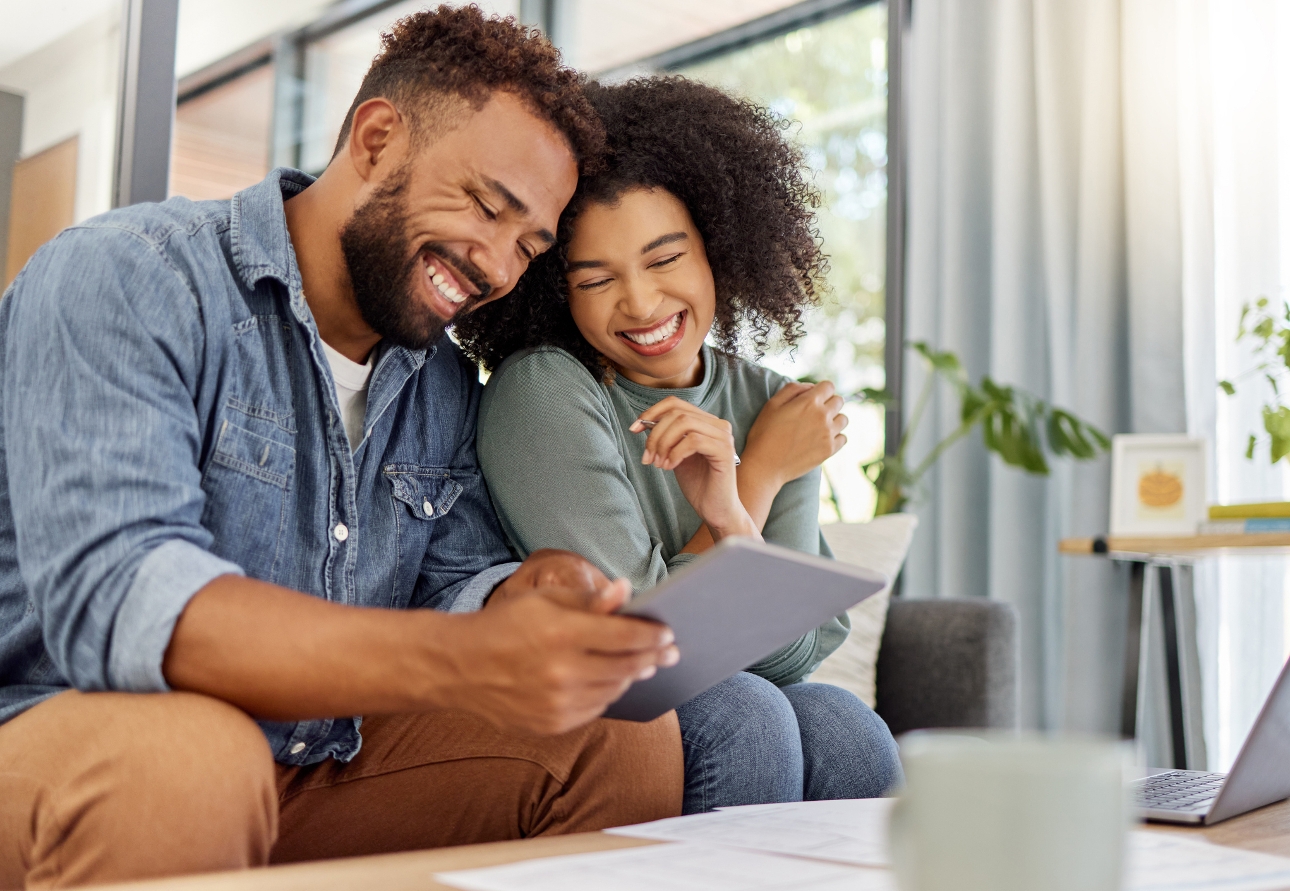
(1016, 425)
(1270, 333)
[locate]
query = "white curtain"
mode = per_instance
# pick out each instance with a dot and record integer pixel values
(1094, 188)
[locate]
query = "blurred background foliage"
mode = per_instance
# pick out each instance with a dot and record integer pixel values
(829, 84)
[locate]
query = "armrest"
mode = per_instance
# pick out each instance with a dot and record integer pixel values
(948, 663)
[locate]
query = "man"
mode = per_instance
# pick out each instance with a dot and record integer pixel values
(239, 479)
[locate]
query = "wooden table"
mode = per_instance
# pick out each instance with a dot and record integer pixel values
(1164, 554)
(1266, 830)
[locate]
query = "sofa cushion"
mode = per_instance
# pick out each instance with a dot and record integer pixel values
(880, 545)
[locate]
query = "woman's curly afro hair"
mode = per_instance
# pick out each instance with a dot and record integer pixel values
(744, 184)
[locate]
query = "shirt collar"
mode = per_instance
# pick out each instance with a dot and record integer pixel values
(258, 227)
(261, 243)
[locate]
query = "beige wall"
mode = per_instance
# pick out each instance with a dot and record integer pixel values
(70, 87)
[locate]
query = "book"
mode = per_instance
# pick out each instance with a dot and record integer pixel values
(1245, 511)
(1244, 527)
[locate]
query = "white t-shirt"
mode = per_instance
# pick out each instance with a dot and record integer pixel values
(351, 391)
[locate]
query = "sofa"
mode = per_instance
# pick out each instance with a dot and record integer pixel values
(948, 663)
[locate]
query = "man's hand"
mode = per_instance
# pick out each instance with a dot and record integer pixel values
(536, 665)
(563, 576)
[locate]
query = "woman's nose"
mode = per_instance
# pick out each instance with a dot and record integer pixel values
(639, 301)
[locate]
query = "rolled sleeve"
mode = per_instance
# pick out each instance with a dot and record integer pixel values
(472, 595)
(163, 584)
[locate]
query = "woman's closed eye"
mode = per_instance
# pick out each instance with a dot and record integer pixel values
(666, 261)
(592, 285)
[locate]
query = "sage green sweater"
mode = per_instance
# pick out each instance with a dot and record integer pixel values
(565, 472)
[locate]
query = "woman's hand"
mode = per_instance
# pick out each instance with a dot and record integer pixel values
(700, 449)
(797, 429)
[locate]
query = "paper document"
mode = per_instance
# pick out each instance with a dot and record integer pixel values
(851, 831)
(1170, 861)
(675, 867)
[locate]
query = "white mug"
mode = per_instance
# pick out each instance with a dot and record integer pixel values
(1010, 813)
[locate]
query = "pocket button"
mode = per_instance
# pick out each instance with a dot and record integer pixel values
(427, 506)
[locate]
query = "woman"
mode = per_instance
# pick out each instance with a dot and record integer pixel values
(610, 428)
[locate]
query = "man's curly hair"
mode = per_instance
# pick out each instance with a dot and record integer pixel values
(728, 162)
(442, 54)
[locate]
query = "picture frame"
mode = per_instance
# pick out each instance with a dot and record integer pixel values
(1158, 484)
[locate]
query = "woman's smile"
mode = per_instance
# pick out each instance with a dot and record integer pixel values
(657, 339)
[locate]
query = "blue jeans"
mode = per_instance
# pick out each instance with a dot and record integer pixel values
(747, 741)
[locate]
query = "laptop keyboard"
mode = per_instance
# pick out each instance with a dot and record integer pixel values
(1177, 790)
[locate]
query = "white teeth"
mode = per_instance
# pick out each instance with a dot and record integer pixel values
(659, 334)
(441, 285)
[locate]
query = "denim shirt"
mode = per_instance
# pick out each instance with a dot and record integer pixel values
(167, 416)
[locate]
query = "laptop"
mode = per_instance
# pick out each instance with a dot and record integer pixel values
(1260, 775)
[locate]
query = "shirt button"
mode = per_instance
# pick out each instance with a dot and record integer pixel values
(297, 748)
(427, 506)
(341, 532)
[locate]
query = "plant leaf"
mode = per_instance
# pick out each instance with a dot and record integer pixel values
(943, 361)
(1226, 387)
(884, 397)
(1007, 433)
(1277, 422)
(1249, 447)
(1066, 436)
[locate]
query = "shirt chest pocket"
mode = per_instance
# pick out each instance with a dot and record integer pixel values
(247, 482)
(428, 493)
(421, 498)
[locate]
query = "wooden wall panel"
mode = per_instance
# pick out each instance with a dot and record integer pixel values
(222, 138)
(42, 203)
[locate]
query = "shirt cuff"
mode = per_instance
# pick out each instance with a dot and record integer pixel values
(470, 599)
(163, 584)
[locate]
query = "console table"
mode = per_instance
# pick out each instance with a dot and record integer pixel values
(1163, 555)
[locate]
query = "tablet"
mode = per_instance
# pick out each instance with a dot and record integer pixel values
(734, 605)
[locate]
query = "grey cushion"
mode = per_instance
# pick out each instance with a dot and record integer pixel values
(948, 663)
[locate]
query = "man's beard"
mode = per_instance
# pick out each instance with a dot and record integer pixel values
(383, 268)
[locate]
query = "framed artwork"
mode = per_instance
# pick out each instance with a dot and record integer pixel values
(1157, 484)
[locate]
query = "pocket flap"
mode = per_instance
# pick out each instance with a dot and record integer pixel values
(429, 492)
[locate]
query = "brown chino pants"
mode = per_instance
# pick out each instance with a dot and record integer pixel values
(104, 787)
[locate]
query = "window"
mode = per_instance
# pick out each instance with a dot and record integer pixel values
(599, 36)
(831, 78)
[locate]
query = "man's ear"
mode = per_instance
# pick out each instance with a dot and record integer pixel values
(374, 137)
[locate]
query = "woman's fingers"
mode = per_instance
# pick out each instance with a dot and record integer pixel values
(789, 391)
(655, 412)
(679, 436)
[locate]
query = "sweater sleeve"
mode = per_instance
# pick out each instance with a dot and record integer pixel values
(794, 523)
(548, 446)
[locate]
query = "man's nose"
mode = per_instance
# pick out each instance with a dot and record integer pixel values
(492, 261)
